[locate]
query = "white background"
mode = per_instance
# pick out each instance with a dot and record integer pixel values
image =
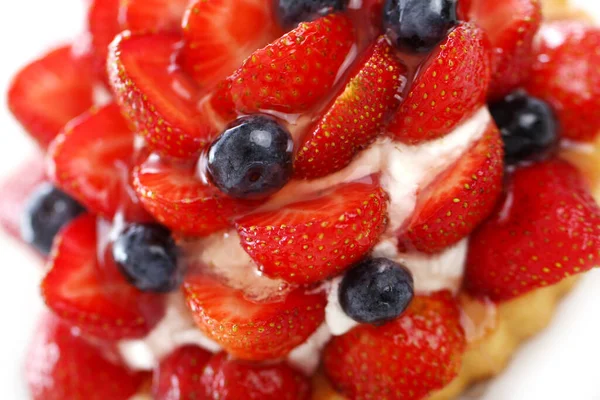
(562, 363)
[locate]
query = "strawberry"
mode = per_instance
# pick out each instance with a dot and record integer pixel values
(295, 72)
(463, 7)
(228, 379)
(251, 330)
(179, 373)
(546, 229)
(63, 365)
(356, 117)
(220, 34)
(152, 15)
(451, 207)
(51, 91)
(102, 25)
(449, 88)
(566, 75)
(511, 26)
(90, 293)
(315, 239)
(406, 359)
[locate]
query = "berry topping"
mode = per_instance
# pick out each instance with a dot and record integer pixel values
(47, 211)
(252, 158)
(103, 26)
(417, 26)
(177, 375)
(291, 12)
(376, 290)
(547, 228)
(528, 127)
(405, 359)
(152, 15)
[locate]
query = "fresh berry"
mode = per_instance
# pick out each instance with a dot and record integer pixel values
(291, 12)
(152, 15)
(405, 359)
(528, 126)
(449, 88)
(547, 228)
(63, 365)
(252, 158)
(228, 379)
(51, 91)
(566, 76)
(251, 330)
(178, 375)
(356, 117)
(376, 290)
(463, 7)
(451, 207)
(103, 25)
(315, 239)
(90, 293)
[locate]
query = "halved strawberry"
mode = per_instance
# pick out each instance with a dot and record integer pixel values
(451, 207)
(103, 25)
(313, 240)
(220, 34)
(51, 91)
(448, 89)
(250, 330)
(356, 117)
(63, 365)
(90, 293)
(180, 373)
(546, 229)
(405, 359)
(152, 15)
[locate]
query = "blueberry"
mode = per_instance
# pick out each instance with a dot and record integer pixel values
(291, 12)
(376, 290)
(46, 212)
(417, 26)
(528, 126)
(252, 158)
(147, 256)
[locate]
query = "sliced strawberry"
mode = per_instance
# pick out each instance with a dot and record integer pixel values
(103, 26)
(356, 117)
(450, 208)
(152, 15)
(179, 373)
(250, 330)
(228, 379)
(296, 71)
(405, 359)
(566, 75)
(62, 365)
(91, 294)
(463, 7)
(51, 91)
(547, 228)
(449, 88)
(221, 34)
(316, 239)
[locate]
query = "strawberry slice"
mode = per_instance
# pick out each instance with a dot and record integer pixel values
(316, 239)
(463, 7)
(63, 365)
(102, 25)
(152, 15)
(51, 91)
(566, 75)
(295, 72)
(250, 330)
(227, 379)
(220, 34)
(450, 87)
(511, 26)
(179, 373)
(356, 117)
(547, 228)
(405, 359)
(91, 294)
(450, 208)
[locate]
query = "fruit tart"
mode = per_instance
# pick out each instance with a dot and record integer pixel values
(304, 199)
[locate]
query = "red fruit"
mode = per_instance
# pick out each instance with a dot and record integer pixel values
(462, 9)
(251, 330)
(178, 375)
(566, 75)
(220, 34)
(152, 15)
(51, 91)
(547, 228)
(405, 359)
(313, 240)
(295, 72)
(228, 379)
(451, 207)
(450, 87)
(103, 26)
(356, 117)
(90, 293)
(511, 26)
(62, 365)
